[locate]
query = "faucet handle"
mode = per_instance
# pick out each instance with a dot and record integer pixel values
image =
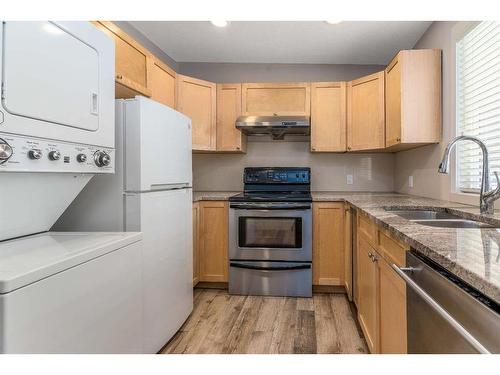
(495, 193)
(498, 179)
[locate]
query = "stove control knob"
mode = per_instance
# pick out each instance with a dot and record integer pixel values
(81, 158)
(54, 155)
(102, 159)
(35, 154)
(5, 151)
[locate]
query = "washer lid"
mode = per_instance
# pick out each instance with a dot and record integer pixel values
(29, 259)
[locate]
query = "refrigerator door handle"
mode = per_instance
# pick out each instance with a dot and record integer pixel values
(160, 187)
(182, 185)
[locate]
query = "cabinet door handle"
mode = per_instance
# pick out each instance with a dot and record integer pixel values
(119, 76)
(348, 148)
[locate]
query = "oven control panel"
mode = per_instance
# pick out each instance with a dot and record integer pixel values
(277, 176)
(27, 154)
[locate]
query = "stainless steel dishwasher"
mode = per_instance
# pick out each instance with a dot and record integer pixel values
(445, 315)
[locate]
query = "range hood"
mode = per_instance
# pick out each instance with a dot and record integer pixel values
(276, 126)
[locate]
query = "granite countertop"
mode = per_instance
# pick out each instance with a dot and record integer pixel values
(213, 195)
(471, 254)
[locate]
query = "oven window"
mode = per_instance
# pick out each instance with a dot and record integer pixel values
(270, 232)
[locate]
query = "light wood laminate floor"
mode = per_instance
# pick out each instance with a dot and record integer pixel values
(222, 323)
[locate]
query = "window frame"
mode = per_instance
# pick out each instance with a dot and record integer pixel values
(458, 32)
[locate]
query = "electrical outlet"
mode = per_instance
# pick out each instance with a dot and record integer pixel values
(410, 181)
(349, 179)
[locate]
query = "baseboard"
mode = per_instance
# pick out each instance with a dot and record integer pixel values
(329, 289)
(340, 289)
(211, 285)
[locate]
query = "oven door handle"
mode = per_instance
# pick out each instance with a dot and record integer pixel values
(261, 268)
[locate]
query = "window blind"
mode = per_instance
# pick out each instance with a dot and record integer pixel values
(478, 102)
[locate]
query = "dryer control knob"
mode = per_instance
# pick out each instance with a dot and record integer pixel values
(5, 151)
(102, 159)
(81, 158)
(54, 155)
(35, 154)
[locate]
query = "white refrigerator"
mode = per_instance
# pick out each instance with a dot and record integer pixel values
(150, 192)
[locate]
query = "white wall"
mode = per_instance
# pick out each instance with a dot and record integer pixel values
(224, 172)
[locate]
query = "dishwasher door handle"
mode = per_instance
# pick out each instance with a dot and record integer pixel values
(437, 307)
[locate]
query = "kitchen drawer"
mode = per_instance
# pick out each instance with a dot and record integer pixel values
(391, 249)
(368, 229)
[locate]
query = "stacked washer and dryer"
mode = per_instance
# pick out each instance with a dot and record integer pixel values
(64, 292)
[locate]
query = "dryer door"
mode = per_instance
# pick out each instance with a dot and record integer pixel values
(50, 75)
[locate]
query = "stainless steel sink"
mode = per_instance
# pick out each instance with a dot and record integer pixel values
(458, 223)
(438, 218)
(424, 214)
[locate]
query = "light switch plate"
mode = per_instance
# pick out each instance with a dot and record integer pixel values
(349, 179)
(410, 181)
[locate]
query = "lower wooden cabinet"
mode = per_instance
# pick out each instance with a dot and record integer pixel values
(380, 292)
(392, 291)
(348, 252)
(196, 253)
(328, 243)
(213, 241)
(367, 277)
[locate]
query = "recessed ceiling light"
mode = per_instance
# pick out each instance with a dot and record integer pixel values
(333, 22)
(219, 23)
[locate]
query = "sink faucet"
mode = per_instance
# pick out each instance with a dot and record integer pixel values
(487, 197)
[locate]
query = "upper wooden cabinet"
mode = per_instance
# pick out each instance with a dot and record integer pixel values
(413, 99)
(197, 100)
(163, 83)
(282, 99)
(366, 113)
(328, 243)
(328, 116)
(133, 63)
(229, 138)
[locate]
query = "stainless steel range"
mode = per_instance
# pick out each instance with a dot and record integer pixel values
(270, 233)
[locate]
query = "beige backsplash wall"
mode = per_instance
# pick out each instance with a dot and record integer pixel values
(422, 163)
(223, 172)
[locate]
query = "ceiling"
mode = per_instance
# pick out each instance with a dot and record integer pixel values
(310, 42)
